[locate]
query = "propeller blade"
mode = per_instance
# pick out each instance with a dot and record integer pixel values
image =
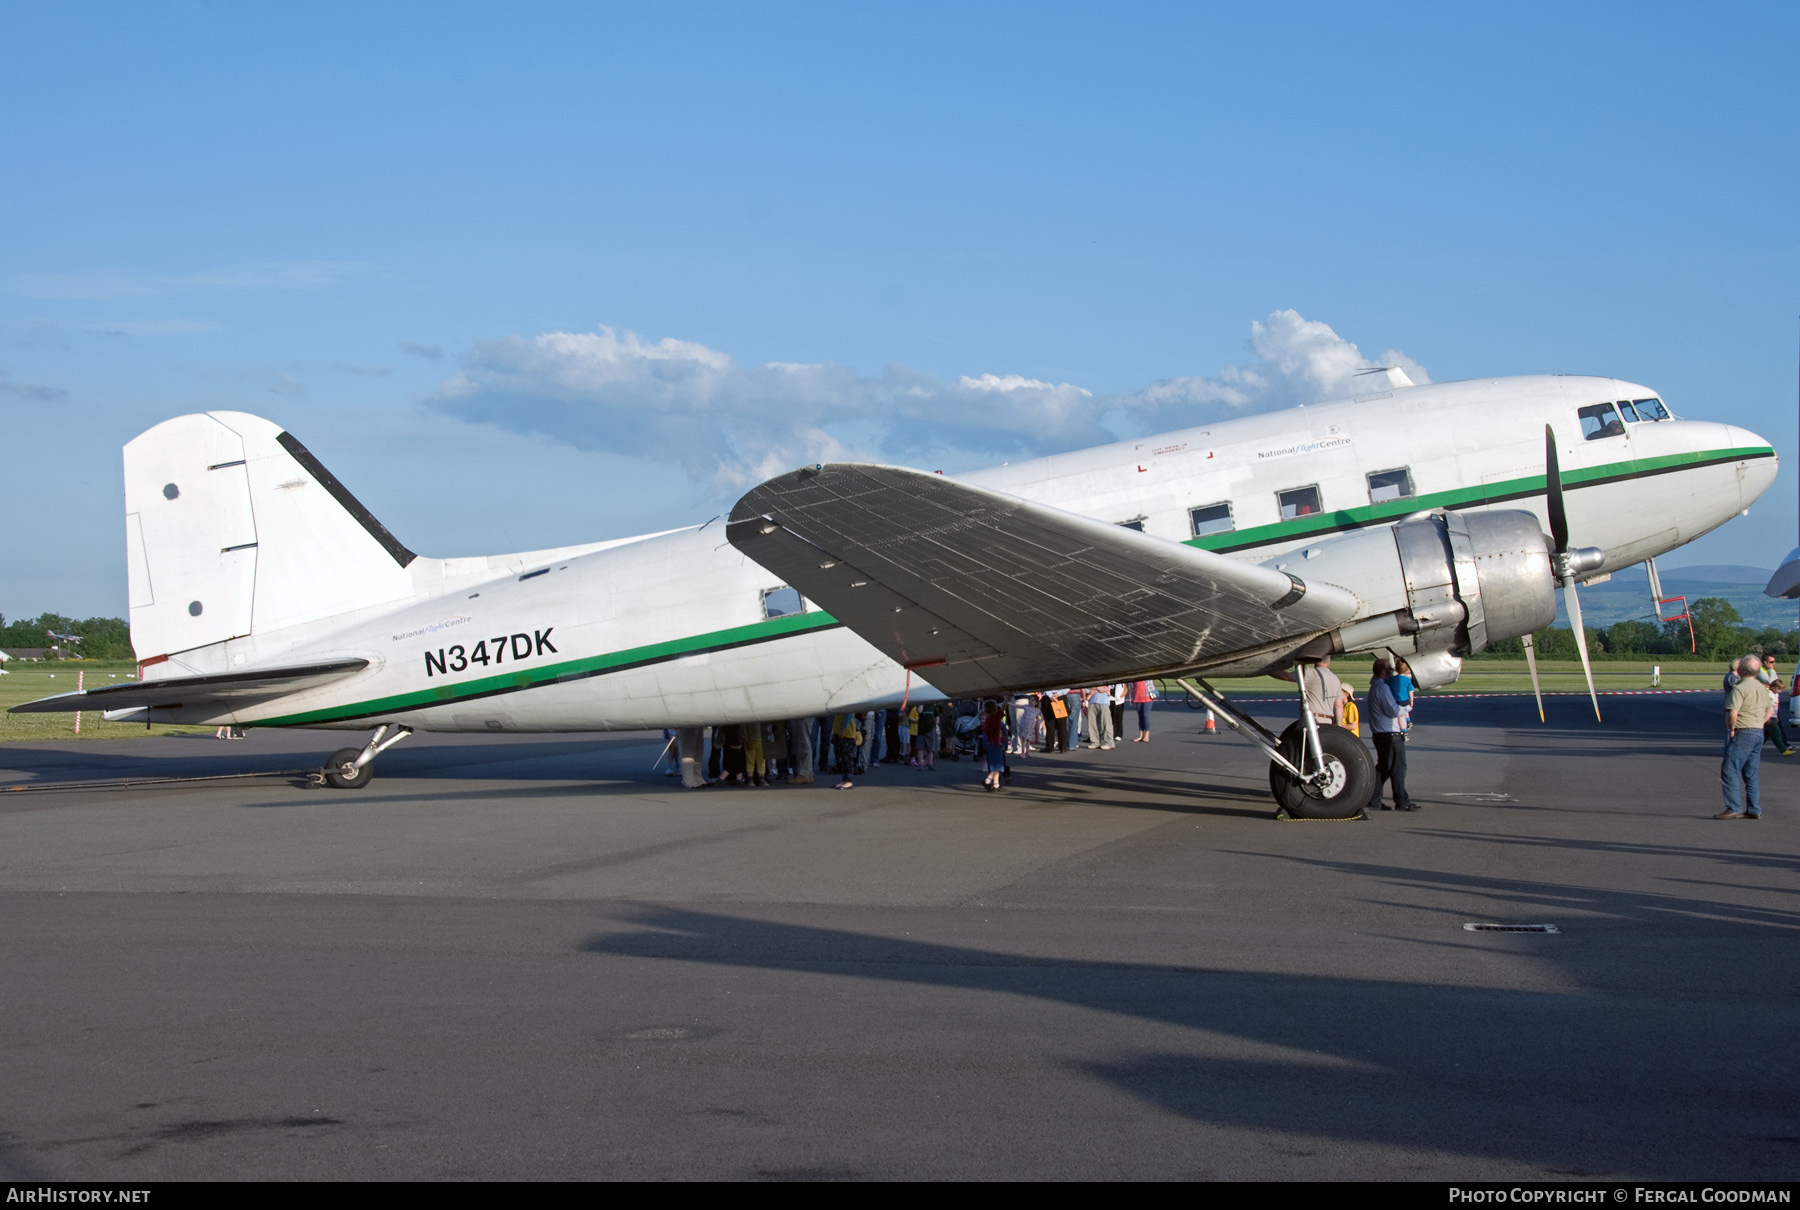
(1573, 600)
(1531, 666)
(1553, 493)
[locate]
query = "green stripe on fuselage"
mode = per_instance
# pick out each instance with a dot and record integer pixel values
(1345, 519)
(568, 670)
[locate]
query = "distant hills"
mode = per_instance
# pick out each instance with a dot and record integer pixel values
(1711, 573)
(1627, 595)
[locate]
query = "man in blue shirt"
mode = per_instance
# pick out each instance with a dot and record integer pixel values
(1388, 719)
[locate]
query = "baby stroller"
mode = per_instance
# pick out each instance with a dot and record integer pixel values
(968, 738)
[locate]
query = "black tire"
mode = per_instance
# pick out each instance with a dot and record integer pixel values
(338, 779)
(1343, 794)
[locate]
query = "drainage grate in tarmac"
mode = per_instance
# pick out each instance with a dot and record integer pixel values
(1510, 928)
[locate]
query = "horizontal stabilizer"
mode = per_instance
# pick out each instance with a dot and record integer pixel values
(226, 690)
(979, 591)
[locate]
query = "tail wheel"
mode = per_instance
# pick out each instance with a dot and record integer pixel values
(342, 759)
(1349, 775)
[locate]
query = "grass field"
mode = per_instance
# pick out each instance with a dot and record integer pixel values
(25, 682)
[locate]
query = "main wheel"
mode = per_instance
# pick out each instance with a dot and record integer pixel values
(1348, 781)
(338, 779)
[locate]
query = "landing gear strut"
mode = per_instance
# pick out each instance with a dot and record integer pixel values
(1316, 770)
(354, 768)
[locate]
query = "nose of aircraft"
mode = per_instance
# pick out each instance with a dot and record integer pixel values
(1759, 466)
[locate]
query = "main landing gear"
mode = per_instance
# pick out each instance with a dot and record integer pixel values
(354, 768)
(1316, 770)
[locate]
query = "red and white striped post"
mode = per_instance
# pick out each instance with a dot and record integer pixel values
(79, 675)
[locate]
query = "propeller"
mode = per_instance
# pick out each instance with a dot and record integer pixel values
(1566, 564)
(1531, 666)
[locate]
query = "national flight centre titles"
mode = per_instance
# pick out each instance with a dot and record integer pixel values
(1636, 1194)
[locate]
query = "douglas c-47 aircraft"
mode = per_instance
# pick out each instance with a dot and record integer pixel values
(1410, 520)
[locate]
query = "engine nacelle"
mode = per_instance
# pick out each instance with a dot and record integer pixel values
(1437, 586)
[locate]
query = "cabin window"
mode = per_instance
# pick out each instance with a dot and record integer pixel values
(1627, 411)
(1213, 519)
(1136, 523)
(1299, 502)
(1650, 409)
(780, 602)
(1599, 421)
(1390, 485)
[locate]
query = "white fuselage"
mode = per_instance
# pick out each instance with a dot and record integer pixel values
(672, 630)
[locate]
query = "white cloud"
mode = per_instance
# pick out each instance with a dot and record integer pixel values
(1297, 360)
(682, 402)
(1014, 382)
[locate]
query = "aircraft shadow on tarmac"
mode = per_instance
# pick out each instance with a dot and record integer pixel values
(1174, 791)
(526, 760)
(1101, 787)
(1573, 1082)
(1730, 857)
(1600, 908)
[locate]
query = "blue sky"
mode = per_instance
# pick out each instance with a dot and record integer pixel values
(364, 222)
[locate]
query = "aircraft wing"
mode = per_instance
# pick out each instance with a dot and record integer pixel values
(979, 591)
(227, 689)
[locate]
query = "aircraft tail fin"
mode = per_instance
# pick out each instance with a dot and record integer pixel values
(232, 527)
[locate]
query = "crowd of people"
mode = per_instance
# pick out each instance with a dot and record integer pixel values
(849, 745)
(993, 731)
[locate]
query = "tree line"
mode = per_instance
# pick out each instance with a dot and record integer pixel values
(1719, 634)
(101, 638)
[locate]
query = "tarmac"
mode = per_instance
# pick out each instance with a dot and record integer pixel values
(534, 957)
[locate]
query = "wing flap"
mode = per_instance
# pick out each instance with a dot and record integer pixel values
(982, 591)
(224, 689)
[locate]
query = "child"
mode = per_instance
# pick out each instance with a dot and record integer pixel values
(845, 740)
(993, 743)
(1402, 682)
(928, 739)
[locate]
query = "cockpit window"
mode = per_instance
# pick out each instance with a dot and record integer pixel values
(1599, 421)
(1627, 411)
(1650, 409)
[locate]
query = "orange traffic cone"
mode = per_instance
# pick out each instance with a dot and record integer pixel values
(1211, 728)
